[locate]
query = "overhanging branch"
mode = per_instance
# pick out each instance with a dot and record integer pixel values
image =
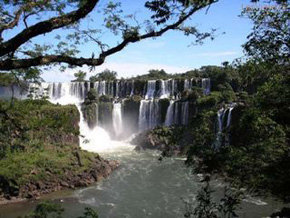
(46, 26)
(10, 64)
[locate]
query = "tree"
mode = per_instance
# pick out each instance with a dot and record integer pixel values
(80, 76)
(34, 19)
(269, 40)
(106, 75)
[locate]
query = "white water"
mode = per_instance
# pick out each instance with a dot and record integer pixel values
(91, 139)
(165, 89)
(184, 113)
(149, 114)
(205, 84)
(151, 87)
(169, 114)
(187, 84)
(117, 119)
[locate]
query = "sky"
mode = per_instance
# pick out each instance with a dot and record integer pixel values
(173, 51)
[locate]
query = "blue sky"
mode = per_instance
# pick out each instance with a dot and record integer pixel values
(172, 52)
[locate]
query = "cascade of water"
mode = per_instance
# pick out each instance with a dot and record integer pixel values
(176, 113)
(149, 114)
(174, 87)
(96, 86)
(117, 118)
(184, 113)
(187, 84)
(169, 114)
(229, 115)
(56, 93)
(151, 87)
(110, 88)
(224, 113)
(132, 88)
(102, 88)
(117, 89)
(142, 121)
(164, 89)
(205, 84)
(220, 117)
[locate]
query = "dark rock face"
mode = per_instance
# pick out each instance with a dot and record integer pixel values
(90, 113)
(169, 140)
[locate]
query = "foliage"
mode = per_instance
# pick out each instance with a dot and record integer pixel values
(89, 213)
(80, 76)
(92, 95)
(47, 209)
(207, 207)
(269, 41)
(38, 142)
(154, 74)
(106, 75)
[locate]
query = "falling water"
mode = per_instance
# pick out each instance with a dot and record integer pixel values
(176, 113)
(149, 114)
(164, 89)
(169, 114)
(184, 113)
(102, 88)
(187, 84)
(117, 119)
(231, 107)
(220, 117)
(151, 87)
(205, 83)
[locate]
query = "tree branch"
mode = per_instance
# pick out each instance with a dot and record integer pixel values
(10, 64)
(46, 26)
(13, 23)
(45, 60)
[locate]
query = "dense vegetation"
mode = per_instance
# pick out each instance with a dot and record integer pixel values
(39, 148)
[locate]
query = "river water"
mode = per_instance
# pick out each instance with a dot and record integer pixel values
(141, 187)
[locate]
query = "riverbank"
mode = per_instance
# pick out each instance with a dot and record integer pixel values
(40, 151)
(142, 187)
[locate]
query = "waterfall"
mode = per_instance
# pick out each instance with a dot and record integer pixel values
(132, 88)
(220, 116)
(176, 113)
(229, 115)
(117, 89)
(102, 88)
(224, 114)
(205, 84)
(169, 114)
(174, 89)
(151, 87)
(117, 119)
(184, 113)
(149, 114)
(111, 114)
(187, 84)
(96, 86)
(164, 89)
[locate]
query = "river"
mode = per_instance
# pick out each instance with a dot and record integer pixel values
(141, 187)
